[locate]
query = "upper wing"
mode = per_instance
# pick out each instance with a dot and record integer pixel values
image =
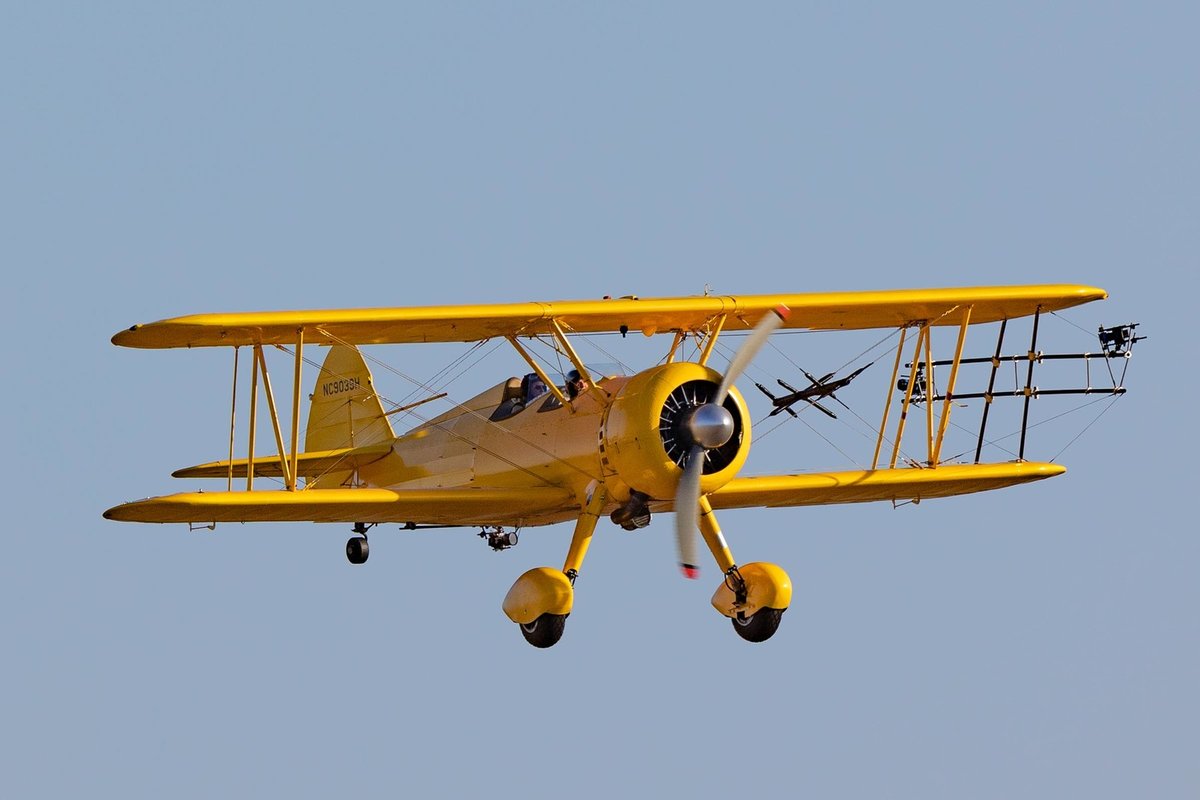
(467, 507)
(832, 310)
(862, 486)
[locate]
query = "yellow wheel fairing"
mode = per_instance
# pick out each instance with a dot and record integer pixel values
(767, 586)
(632, 446)
(542, 590)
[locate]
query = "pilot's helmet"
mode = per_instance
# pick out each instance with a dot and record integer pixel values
(574, 383)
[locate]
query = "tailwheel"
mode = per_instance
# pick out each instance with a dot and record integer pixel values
(759, 626)
(357, 549)
(545, 631)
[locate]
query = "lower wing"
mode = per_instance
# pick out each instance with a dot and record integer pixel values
(467, 507)
(864, 486)
(519, 507)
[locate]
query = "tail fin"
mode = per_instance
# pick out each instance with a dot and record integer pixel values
(345, 410)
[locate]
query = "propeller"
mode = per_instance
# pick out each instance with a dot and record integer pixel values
(709, 426)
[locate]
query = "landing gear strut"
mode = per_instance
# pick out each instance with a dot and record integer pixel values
(541, 599)
(763, 590)
(357, 548)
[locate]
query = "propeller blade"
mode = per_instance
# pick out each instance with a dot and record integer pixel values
(687, 512)
(687, 494)
(750, 349)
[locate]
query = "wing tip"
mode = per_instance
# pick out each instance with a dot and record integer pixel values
(1046, 469)
(120, 513)
(129, 337)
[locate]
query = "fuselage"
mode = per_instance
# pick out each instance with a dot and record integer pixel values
(539, 444)
(617, 435)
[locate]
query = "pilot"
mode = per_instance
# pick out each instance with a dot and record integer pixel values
(532, 387)
(576, 385)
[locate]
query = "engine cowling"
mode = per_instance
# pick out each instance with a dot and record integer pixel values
(644, 444)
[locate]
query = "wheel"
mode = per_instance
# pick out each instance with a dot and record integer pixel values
(760, 626)
(545, 631)
(357, 550)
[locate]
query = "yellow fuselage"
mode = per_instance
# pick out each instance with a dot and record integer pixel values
(608, 437)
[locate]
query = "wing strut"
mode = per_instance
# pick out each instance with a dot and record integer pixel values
(929, 406)
(253, 419)
(678, 340)
(712, 339)
(232, 417)
(284, 466)
(908, 393)
(288, 464)
(946, 406)
(296, 408)
(887, 403)
(561, 336)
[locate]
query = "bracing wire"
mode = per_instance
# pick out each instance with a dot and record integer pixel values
(472, 412)
(868, 426)
(425, 386)
(996, 441)
(1085, 429)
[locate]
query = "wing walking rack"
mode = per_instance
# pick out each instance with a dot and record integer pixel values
(1115, 343)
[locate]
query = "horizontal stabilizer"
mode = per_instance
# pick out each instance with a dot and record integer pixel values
(309, 465)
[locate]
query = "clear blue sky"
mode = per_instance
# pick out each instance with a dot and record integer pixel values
(162, 159)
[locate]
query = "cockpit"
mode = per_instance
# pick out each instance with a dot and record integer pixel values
(521, 393)
(531, 390)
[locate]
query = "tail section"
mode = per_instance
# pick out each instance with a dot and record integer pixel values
(344, 411)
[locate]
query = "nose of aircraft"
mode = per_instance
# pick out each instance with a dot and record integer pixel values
(709, 425)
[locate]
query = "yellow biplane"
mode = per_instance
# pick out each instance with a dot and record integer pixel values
(529, 452)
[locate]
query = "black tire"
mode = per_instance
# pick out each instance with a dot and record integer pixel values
(760, 626)
(357, 550)
(545, 631)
